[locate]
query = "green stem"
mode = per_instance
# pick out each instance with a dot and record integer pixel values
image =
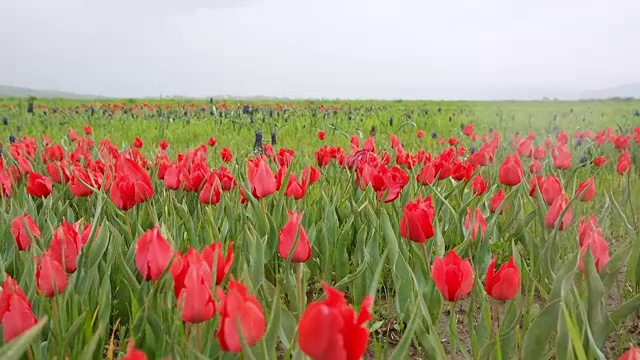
(426, 259)
(453, 330)
(299, 277)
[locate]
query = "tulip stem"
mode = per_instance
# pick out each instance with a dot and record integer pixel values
(495, 328)
(426, 259)
(453, 329)
(300, 274)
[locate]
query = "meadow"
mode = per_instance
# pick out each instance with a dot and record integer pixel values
(168, 229)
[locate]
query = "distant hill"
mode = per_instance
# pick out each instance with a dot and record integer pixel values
(631, 90)
(16, 91)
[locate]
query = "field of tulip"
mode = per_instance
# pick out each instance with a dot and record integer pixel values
(322, 230)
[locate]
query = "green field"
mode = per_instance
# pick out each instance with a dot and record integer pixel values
(567, 305)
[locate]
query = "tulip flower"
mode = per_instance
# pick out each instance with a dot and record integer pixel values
(496, 201)
(511, 171)
(504, 284)
(194, 296)
(241, 316)
(293, 234)
(133, 353)
(321, 135)
(153, 254)
(553, 214)
(632, 354)
(561, 157)
(16, 314)
(417, 220)
(261, 178)
(586, 190)
(475, 221)
(479, 185)
(64, 246)
(551, 189)
(23, 229)
(452, 276)
(226, 155)
(38, 185)
(51, 278)
(330, 329)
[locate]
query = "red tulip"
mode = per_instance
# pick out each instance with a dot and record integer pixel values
(226, 155)
(64, 246)
(194, 296)
(213, 255)
(51, 278)
(293, 233)
(390, 182)
(624, 163)
(137, 143)
(164, 144)
(420, 134)
(310, 175)
(321, 135)
(52, 153)
(504, 284)
(561, 157)
(87, 130)
(632, 354)
(38, 185)
(133, 353)
(535, 167)
(76, 185)
(417, 220)
(153, 254)
(6, 183)
(261, 178)
(586, 190)
(539, 153)
(551, 189)
(73, 136)
(587, 228)
(511, 171)
(295, 189)
(475, 222)
(600, 160)
(330, 329)
(241, 315)
(496, 201)
(599, 250)
(59, 172)
(210, 193)
(212, 142)
(553, 214)
(132, 184)
(427, 175)
(452, 276)
(16, 314)
(479, 185)
(22, 234)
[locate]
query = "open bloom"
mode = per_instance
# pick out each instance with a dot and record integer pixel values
(330, 329)
(453, 276)
(505, 283)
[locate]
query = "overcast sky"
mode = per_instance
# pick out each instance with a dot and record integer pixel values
(329, 48)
